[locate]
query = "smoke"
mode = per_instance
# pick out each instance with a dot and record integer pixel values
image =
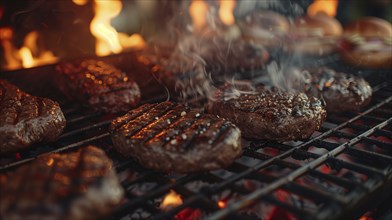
(199, 58)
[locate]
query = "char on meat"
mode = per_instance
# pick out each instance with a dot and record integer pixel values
(272, 114)
(341, 91)
(98, 85)
(170, 137)
(75, 185)
(26, 119)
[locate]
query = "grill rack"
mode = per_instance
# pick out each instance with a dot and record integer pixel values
(373, 161)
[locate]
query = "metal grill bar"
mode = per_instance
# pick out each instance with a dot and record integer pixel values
(251, 198)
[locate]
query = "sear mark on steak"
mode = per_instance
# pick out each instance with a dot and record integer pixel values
(270, 114)
(170, 137)
(98, 85)
(26, 119)
(341, 91)
(75, 185)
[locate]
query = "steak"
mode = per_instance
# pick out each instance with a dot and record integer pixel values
(75, 185)
(272, 114)
(26, 119)
(170, 137)
(341, 91)
(97, 84)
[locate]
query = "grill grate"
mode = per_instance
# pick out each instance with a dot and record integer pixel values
(341, 172)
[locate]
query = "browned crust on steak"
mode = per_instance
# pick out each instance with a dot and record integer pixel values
(170, 137)
(98, 85)
(76, 185)
(341, 91)
(269, 114)
(26, 119)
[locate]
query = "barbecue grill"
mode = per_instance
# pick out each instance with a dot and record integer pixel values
(342, 172)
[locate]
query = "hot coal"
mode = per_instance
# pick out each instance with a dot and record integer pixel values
(26, 119)
(341, 91)
(170, 137)
(270, 114)
(76, 185)
(97, 84)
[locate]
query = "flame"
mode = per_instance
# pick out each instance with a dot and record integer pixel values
(226, 11)
(107, 37)
(80, 2)
(172, 199)
(133, 41)
(28, 55)
(329, 7)
(108, 40)
(198, 12)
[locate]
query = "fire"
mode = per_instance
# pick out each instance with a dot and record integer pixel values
(198, 12)
(172, 199)
(226, 11)
(108, 40)
(80, 2)
(133, 41)
(29, 55)
(329, 7)
(107, 37)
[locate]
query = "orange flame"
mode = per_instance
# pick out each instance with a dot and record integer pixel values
(80, 2)
(133, 41)
(107, 37)
(198, 12)
(329, 7)
(28, 55)
(108, 40)
(172, 199)
(226, 11)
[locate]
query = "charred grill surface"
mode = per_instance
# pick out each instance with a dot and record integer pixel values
(76, 185)
(26, 119)
(341, 91)
(269, 114)
(171, 137)
(97, 84)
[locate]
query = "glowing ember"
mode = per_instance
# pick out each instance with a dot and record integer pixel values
(107, 37)
(50, 162)
(221, 204)
(329, 7)
(172, 199)
(226, 11)
(80, 2)
(198, 11)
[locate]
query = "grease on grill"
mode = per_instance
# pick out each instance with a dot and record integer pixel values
(192, 141)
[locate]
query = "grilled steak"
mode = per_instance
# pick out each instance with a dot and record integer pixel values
(171, 137)
(270, 114)
(341, 91)
(75, 185)
(98, 85)
(26, 119)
